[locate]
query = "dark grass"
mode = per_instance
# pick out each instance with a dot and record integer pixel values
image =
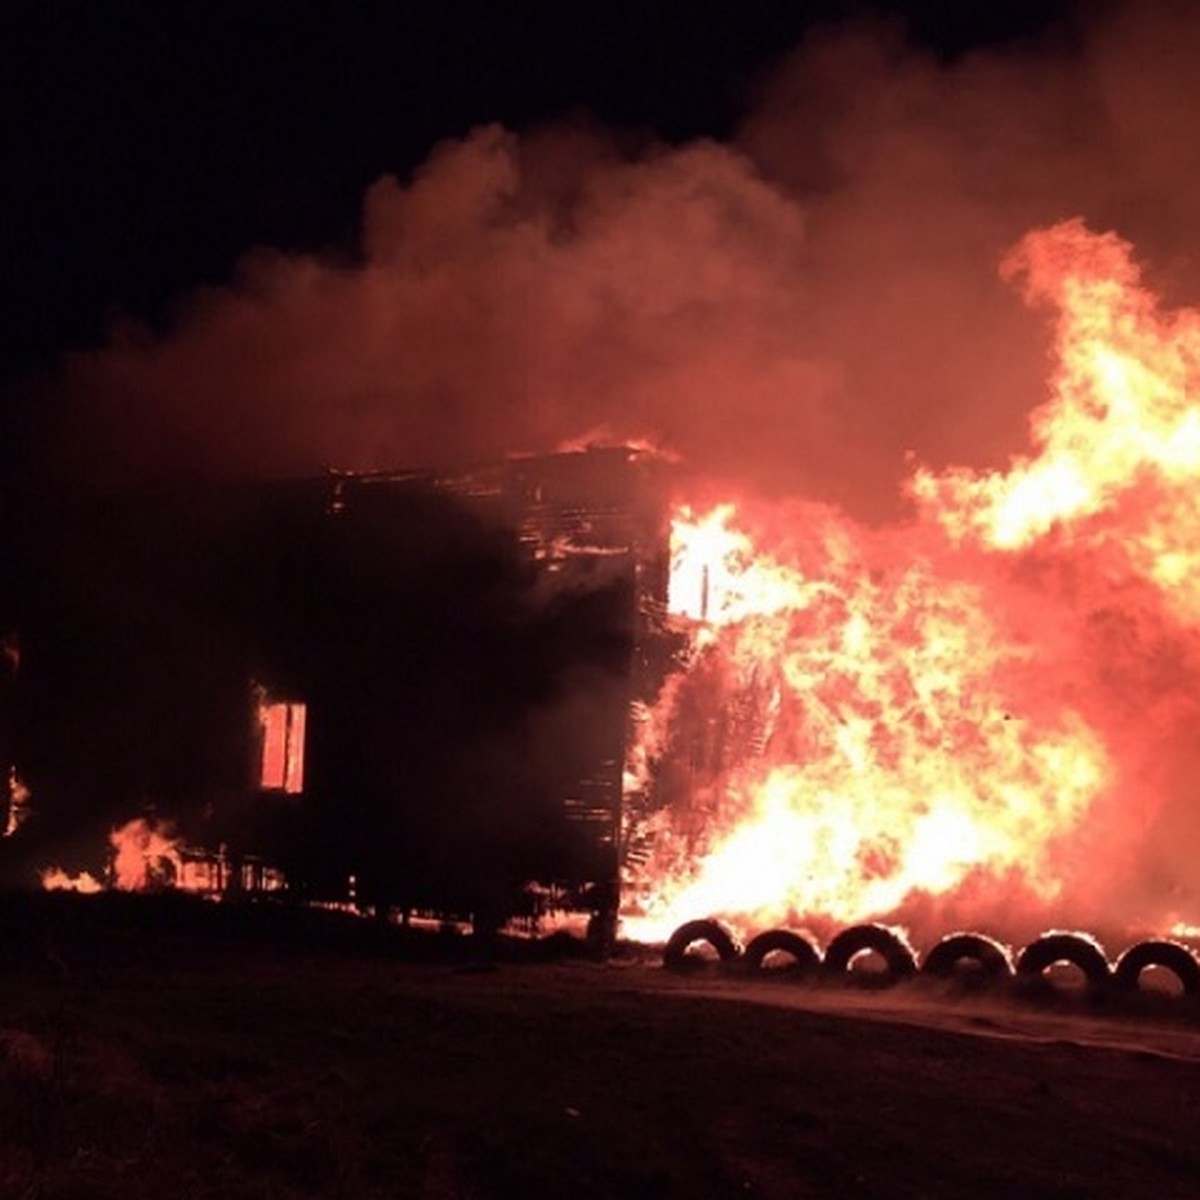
(184, 1051)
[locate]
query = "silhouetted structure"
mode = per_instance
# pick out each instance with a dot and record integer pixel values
(413, 687)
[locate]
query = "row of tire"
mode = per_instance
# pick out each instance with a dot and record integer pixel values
(971, 956)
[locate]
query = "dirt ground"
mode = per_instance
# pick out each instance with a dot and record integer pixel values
(152, 1058)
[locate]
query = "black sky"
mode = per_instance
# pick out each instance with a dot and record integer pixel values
(148, 146)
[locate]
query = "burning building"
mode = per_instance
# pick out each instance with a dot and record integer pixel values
(408, 689)
(443, 685)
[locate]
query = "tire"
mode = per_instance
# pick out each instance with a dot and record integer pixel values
(806, 959)
(858, 939)
(994, 961)
(1177, 959)
(1073, 948)
(675, 953)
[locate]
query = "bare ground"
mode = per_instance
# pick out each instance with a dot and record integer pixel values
(178, 1056)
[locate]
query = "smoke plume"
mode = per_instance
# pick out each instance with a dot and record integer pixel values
(798, 310)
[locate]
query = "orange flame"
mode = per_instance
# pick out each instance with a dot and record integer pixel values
(1118, 442)
(976, 713)
(55, 879)
(19, 806)
(145, 856)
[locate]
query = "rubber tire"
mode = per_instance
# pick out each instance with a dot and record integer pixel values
(900, 960)
(1052, 948)
(675, 952)
(995, 964)
(1177, 959)
(806, 957)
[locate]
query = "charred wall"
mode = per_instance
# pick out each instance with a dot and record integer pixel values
(466, 645)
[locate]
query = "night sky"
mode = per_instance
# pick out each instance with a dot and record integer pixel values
(148, 147)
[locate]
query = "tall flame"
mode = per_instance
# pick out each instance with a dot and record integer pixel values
(976, 716)
(1118, 442)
